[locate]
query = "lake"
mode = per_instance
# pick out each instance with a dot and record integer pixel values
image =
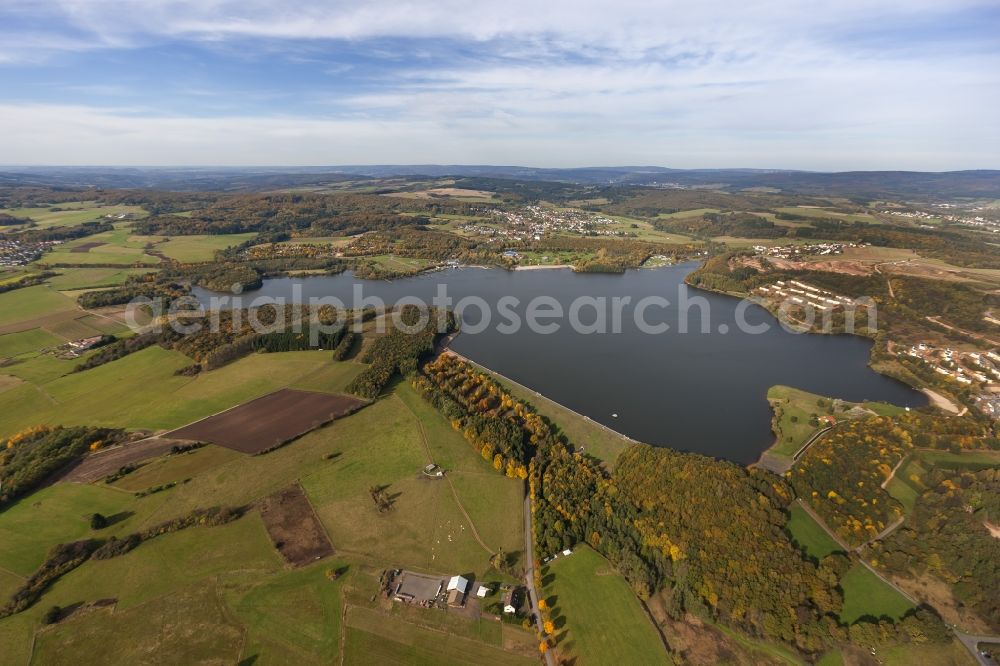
(700, 390)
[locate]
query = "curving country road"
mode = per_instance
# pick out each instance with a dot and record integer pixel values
(529, 554)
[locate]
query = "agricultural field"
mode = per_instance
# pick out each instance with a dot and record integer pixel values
(190, 249)
(111, 247)
(290, 617)
(73, 279)
(141, 390)
(15, 344)
(270, 420)
(194, 594)
(815, 212)
(31, 304)
(72, 213)
(867, 596)
(166, 469)
(372, 637)
(433, 525)
(597, 616)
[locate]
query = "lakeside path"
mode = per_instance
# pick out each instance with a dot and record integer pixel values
(447, 350)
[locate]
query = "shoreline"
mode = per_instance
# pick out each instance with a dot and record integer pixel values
(543, 267)
(445, 349)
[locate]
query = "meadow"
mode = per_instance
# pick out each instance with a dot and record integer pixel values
(867, 596)
(32, 303)
(72, 213)
(597, 616)
(190, 249)
(809, 535)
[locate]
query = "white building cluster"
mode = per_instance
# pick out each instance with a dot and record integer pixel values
(800, 293)
(14, 252)
(979, 368)
(533, 222)
(799, 251)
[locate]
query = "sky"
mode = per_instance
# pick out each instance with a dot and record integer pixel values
(798, 84)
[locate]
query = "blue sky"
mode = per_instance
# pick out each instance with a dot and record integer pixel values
(856, 84)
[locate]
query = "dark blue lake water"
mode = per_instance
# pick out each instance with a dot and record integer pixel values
(701, 391)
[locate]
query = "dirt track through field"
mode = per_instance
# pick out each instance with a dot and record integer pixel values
(458, 501)
(102, 463)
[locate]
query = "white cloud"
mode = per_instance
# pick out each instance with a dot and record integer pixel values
(712, 83)
(56, 134)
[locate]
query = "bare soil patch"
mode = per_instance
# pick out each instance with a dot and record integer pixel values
(103, 463)
(83, 248)
(270, 421)
(294, 528)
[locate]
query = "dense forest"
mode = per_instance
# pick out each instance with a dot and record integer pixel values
(306, 214)
(948, 535)
(30, 457)
(401, 348)
(841, 475)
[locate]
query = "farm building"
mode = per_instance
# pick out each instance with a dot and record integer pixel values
(457, 588)
(511, 601)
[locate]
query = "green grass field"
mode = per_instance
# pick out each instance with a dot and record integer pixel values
(812, 212)
(15, 344)
(866, 595)
(907, 484)
(176, 468)
(72, 213)
(31, 303)
(375, 638)
(972, 460)
(426, 529)
(191, 248)
(604, 621)
(809, 535)
(52, 515)
(141, 391)
(189, 626)
(293, 616)
(89, 278)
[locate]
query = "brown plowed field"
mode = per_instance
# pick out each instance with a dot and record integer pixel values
(293, 527)
(86, 247)
(269, 421)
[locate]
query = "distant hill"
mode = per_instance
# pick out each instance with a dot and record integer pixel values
(857, 184)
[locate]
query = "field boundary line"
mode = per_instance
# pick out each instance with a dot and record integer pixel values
(8, 571)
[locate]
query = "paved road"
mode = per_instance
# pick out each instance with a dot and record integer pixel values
(971, 642)
(529, 554)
